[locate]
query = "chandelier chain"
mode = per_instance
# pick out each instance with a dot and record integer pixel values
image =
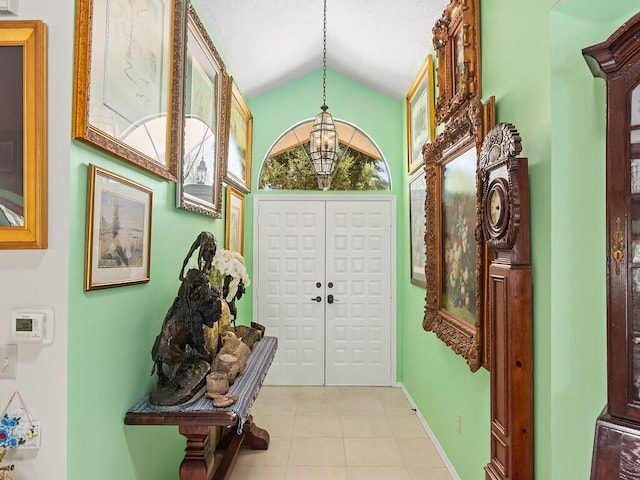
(324, 56)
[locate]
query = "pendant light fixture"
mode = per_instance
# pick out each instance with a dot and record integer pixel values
(323, 142)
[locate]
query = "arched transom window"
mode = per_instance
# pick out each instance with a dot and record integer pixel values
(361, 165)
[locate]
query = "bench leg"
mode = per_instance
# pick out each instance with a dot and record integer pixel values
(252, 436)
(198, 458)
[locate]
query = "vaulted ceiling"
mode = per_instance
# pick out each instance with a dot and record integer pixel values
(268, 43)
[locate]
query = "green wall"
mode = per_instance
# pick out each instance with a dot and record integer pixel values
(111, 333)
(275, 112)
(531, 63)
(578, 256)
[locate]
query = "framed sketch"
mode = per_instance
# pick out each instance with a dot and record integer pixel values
(417, 193)
(456, 268)
(128, 78)
(456, 41)
(23, 135)
(240, 128)
(234, 221)
(205, 110)
(419, 105)
(118, 231)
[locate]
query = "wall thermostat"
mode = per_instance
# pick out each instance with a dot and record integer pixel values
(32, 325)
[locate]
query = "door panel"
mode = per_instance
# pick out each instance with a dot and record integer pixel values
(347, 342)
(290, 263)
(358, 349)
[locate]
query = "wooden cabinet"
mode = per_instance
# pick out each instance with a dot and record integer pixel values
(617, 60)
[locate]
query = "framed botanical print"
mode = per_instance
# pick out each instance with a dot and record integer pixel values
(417, 193)
(128, 79)
(23, 135)
(455, 261)
(118, 231)
(205, 106)
(456, 41)
(419, 105)
(234, 221)
(240, 138)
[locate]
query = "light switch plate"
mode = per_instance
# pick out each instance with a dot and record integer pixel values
(8, 360)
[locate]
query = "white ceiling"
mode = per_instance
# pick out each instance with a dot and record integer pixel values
(266, 44)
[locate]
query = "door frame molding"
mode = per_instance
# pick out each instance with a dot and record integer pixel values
(393, 254)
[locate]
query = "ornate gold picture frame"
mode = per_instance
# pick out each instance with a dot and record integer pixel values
(128, 80)
(206, 96)
(456, 41)
(239, 141)
(456, 265)
(234, 221)
(23, 135)
(419, 106)
(118, 231)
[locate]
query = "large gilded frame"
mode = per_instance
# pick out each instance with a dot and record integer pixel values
(462, 136)
(456, 41)
(115, 59)
(206, 97)
(239, 140)
(29, 138)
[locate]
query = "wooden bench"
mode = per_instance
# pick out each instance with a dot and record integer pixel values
(195, 420)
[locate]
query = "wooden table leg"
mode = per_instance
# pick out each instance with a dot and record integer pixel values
(198, 458)
(251, 436)
(255, 437)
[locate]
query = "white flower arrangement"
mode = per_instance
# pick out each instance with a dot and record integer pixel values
(229, 263)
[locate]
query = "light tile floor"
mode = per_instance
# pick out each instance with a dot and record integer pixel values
(339, 433)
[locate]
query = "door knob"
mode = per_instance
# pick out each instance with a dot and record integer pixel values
(317, 299)
(330, 299)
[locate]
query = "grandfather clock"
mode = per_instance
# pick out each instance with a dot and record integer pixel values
(616, 450)
(505, 224)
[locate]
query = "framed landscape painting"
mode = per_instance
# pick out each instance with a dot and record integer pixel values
(240, 127)
(118, 231)
(417, 193)
(234, 221)
(419, 106)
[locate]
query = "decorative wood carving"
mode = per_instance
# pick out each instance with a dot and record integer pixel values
(509, 301)
(617, 436)
(462, 133)
(456, 41)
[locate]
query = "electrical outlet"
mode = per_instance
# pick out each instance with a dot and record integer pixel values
(8, 360)
(458, 423)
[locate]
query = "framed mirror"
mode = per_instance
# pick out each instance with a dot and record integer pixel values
(455, 266)
(23, 137)
(205, 110)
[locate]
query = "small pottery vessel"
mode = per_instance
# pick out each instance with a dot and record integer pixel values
(217, 382)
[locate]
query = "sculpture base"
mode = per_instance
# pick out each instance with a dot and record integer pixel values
(188, 383)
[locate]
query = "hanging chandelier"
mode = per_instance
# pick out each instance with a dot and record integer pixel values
(323, 141)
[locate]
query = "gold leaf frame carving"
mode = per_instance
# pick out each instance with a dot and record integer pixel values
(462, 134)
(456, 41)
(240, 136)
(29, 170)
(113, 124)
(200, 197)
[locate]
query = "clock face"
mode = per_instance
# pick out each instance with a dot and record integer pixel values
(496, 200)
(497, 208)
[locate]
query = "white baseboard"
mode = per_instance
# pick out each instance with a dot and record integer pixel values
(433, 438)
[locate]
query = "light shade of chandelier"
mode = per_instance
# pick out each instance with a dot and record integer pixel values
(323, 142)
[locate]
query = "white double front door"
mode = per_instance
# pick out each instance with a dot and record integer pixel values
(324, 286)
